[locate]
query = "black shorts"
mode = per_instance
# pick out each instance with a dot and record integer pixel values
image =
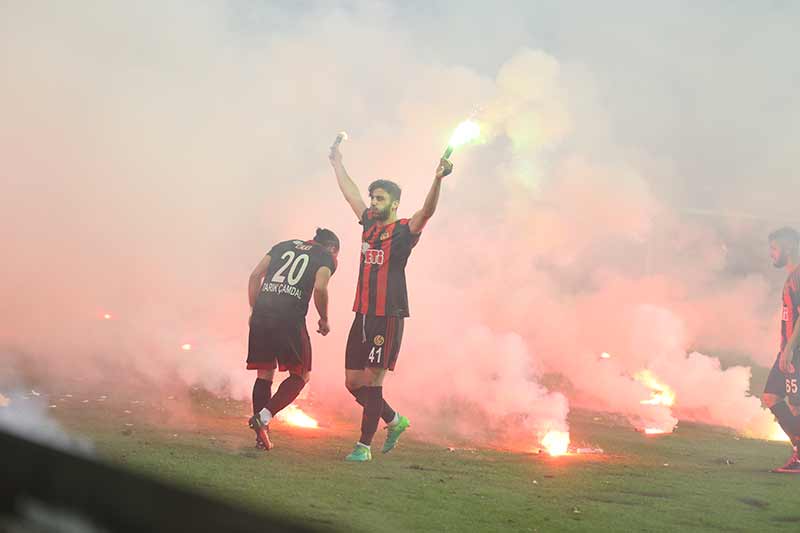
(374, 342)
(274, 340)
(783, 385)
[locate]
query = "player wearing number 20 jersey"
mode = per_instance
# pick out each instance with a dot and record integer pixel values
(278, 323)
(289, 280)
(280, 290)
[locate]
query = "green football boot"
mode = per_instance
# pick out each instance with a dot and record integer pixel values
(393, 434)
(360, 454)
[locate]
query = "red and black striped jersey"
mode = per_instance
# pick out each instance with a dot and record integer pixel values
(289, 281)
(791, 303)
(381, 289)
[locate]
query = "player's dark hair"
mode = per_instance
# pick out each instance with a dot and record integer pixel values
(787, 237)
(327, 238)
(390, 187)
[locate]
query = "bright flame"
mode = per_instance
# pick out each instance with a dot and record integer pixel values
(778, 434)
(294, 416)
(465, 132)
(661, 395)
(654, 431)
(186, 347)
(556, 442)
(605, 355)
(107, 316)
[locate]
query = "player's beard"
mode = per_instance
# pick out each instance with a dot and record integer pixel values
(381, 214)
(780, 262)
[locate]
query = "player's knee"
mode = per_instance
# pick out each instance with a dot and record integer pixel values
(266, 374)
(305, 376)
(374, 376)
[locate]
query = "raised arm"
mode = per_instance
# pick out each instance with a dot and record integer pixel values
(321, 298)
(255, 279)
(421, 217)
(346, 185)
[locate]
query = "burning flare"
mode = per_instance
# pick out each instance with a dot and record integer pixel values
(186, 347)
(465, 132)
(294, 416)
(661, 394)
(556, 442)
(778, 434)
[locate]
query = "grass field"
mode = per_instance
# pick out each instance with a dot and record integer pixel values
(700, 478)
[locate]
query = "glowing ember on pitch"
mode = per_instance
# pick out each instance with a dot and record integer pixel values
(294, 416)
(107, 316)
(778, 434)
(556, 442)
(661, 394)
(654, 431)
(186, 347)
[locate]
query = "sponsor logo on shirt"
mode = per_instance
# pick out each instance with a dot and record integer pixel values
(373, 257)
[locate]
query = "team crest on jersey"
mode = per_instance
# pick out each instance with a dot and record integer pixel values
(378, 340)
(384, 235)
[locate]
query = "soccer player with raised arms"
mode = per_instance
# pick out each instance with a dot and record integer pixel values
(381, 302)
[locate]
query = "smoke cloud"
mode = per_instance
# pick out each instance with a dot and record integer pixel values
(618, 202)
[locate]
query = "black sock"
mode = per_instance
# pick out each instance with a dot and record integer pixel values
(387, 413)
(786, 420)
(372, 413)
(286, 393)
(262, 390)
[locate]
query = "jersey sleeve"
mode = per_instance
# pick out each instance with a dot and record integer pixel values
(329, 261)
(274, 250)
(794, 290)
(413, 238)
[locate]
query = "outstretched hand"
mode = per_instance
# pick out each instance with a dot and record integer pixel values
(445, 168)
(335, 156)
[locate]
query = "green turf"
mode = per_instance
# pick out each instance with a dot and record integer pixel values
(698, 479)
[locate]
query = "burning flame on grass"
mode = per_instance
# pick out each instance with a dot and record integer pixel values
(294, 416)
(654, 431)
(107, 316)
(556, 442)
(778, 434)
(661, 394)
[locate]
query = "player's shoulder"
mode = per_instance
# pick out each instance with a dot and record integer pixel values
(794, 278)
(404, 226)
